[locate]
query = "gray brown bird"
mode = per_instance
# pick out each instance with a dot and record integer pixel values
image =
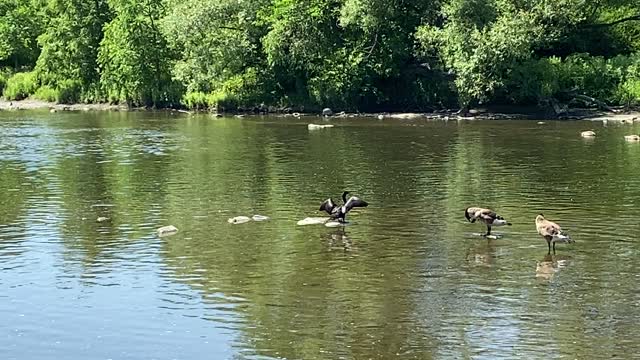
(551, 232)
(485, 216)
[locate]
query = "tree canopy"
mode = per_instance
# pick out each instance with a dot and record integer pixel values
(348, 54)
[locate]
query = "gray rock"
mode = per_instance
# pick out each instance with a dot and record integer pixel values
(239, 220)
(167, 230)
(327, 112)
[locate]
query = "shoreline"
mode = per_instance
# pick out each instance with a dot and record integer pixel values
(489, 113)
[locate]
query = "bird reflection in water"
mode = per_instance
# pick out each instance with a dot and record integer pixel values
(339, 239)
(547, 268)
(483, 253)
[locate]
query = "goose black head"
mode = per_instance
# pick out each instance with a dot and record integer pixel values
(466, 214)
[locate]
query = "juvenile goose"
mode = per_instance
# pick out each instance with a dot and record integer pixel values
(485, 216)
(551, 232)
(339, 212)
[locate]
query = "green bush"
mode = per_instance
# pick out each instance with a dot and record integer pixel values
(69, 91)
(628, 93)
(195, 100)
(20, 86)
(221, 101)
(614, 81)
(46, 93)
(5, 74)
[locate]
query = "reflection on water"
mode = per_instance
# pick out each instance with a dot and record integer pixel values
(550, 265)
(403, 280)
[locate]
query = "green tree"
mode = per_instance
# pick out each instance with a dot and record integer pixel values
(216, 40)
(20, 25)
(134, 57)
(70, 44)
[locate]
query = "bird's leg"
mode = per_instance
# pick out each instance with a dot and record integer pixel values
(549, 245)
(488, 230)
(554, 248)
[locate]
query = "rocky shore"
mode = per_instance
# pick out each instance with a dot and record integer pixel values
(494, 113)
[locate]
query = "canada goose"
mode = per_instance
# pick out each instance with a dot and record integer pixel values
(551, 232)
(486, 216)
(339, 212)
(588, 133)
(632, 137)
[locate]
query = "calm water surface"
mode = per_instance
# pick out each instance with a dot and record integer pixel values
(407, 279)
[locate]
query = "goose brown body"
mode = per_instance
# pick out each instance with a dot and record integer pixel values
(551, 232)
(485, 216)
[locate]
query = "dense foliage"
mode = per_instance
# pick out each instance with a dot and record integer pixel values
(346, 54)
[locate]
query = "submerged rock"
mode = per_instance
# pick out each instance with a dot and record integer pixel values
(316, 126)
(313, 221)
(102, 219)
(239, 220)
(167, 230)
(259, 218)
(327, 112)
(334, 224)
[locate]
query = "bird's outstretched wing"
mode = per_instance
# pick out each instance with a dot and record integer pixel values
(328, 206)
(354, 202)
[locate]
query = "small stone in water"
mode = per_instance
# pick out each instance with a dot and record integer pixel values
(259, 218)
(313, 221)
(102, 219)
(167, 230)
(239, 220)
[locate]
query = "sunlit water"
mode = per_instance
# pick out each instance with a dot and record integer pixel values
(407, 279)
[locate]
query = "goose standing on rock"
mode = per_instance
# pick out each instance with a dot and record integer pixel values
(551, 232)
(339, 212)
(485, 216)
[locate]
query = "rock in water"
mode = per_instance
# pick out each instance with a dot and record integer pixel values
(313, 221)
(259, 218)
(102, 219)
(316, 126)
(327, 112)
(333, 224)
(167, 230)
(239, 220)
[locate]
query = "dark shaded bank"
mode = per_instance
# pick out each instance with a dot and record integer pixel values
(484, 113)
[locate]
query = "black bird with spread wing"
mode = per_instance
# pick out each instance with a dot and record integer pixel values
(339, 212)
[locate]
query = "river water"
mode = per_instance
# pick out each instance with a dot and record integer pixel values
(408, 278)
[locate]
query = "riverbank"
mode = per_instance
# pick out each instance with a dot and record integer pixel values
(486, 113)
